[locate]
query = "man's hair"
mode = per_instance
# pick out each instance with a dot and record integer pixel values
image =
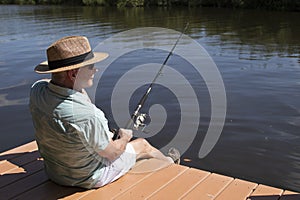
(59, 76)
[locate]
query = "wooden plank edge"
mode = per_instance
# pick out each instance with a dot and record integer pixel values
(234, 185)
(167, 183)
(25, 184)
(175, 170)
(263, 191)
(28, 147)
(182, 174)
(224, 187)
(19, 161)
(29, 169)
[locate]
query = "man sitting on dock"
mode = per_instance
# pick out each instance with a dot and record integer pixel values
(71, 132)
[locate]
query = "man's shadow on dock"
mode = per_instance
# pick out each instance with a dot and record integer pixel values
(275, 197)
(22, 176)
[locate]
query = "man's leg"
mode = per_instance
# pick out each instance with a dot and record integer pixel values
(117, 168)
(145, 150)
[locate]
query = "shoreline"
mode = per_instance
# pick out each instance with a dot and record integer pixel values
(270, 5)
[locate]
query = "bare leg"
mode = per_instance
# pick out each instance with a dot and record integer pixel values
(145, 150)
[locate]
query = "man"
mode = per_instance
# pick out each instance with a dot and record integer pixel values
(71, 132)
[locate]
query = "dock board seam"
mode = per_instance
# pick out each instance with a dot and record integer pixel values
(192, 188)
(29, 189)
(20, 179)
(167, 183)
(223, 188)
(133, 185)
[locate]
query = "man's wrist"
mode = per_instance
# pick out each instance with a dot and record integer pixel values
(126, 139)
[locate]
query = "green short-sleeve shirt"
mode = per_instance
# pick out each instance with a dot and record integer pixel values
(70, 131)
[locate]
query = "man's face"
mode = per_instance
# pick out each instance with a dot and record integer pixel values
(85, 77)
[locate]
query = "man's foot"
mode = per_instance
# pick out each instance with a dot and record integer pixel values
(175, 155)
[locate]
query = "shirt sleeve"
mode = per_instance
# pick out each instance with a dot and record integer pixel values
(96, 132)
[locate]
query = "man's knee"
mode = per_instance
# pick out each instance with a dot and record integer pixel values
(143, 142)
(141, 145)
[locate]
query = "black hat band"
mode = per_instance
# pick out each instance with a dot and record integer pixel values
(70, 61)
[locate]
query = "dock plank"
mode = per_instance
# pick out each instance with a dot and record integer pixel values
(6, 166)
(16, 174)
(181, 184)
(209, 188)
(138, 173)
(23, 185)
(237, 189)
(289, 195)
(17, 161)
(22, 177)
(110, 191)
(49, 190)
(28, 147)
(78, 195)
(152, 183)
(266, 193)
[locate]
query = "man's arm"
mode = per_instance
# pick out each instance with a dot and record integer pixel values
(116, 147)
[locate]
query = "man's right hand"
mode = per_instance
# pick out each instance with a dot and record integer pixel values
(125, 134)
(116, 147)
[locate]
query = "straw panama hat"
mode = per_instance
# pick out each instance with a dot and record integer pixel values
(68, 53)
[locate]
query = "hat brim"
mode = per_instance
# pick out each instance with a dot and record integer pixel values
(43, 68)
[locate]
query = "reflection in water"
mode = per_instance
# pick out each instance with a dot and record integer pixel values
(5, 101)
(257, 53)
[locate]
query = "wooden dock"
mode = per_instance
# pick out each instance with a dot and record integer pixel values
(22, 177)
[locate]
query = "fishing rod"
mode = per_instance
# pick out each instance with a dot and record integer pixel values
(137, 119)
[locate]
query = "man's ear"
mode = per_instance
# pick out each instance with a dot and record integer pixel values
(72, 74)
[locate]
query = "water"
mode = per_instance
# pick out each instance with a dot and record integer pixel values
(256, 52)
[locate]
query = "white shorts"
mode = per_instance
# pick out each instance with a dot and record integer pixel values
(118, 167)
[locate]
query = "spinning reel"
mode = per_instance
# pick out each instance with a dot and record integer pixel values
(140, 121)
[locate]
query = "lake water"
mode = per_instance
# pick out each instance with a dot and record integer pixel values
(257, 54)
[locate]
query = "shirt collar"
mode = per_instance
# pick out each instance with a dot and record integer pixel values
(67, 92)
